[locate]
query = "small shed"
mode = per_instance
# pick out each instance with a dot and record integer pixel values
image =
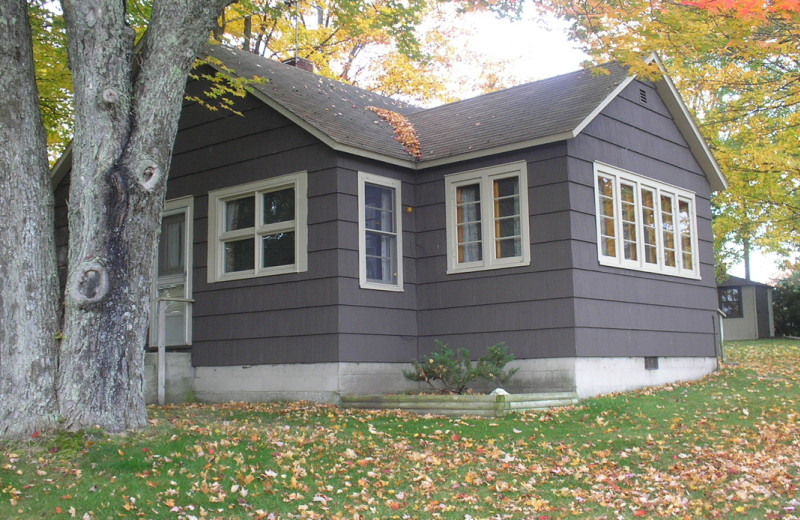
(748, 309)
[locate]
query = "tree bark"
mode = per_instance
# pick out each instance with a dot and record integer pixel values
(28, 280)
(125, 126)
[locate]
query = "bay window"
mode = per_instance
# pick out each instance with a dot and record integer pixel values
(644, 224)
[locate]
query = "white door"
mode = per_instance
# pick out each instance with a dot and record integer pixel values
(174, 274)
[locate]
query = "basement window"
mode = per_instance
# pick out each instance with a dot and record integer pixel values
(651, 363)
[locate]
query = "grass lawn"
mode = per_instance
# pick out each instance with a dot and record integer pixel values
(724, 447)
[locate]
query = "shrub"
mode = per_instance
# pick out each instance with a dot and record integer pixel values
(454, 368)
(786, 305)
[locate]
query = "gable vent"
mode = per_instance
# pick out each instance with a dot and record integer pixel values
(643, 95)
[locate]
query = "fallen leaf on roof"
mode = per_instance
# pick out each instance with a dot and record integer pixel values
(403, 130)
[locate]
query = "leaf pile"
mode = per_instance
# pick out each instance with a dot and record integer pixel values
(724, 447)
(404, 131)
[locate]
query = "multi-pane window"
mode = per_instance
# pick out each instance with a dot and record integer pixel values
(380, 233)
(258, 229)
(644, 224)
(487, 218)
(730, 301)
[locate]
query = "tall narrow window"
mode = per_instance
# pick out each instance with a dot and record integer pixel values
(668, 230)
(629, 236)
(652, 222)
(649, 226)
(380, 233)
(605, 214)
(258, 229)
(507, 229)
(468, 222)
(487, 218)
(685, 220)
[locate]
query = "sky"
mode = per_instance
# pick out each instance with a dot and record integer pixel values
(537, 52)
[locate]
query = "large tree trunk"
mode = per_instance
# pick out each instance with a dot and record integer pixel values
(28, 283)
(125, 125)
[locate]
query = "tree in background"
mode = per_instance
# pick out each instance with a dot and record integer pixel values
(786, 303)
(737, 65)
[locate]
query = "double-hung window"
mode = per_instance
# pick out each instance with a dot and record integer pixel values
(380, 233)
(487, 218)
(258, 229)
(644, 224)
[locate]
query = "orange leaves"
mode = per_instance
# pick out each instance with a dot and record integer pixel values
(403, 130)
(749, 9)
(683, 451)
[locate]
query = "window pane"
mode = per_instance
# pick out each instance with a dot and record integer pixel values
(608, 241)
(470, 252)
(649, 227)
(730, 301)
(468, 216)
(240, 213)
(278, 249)
(379, 208)
(506, 187)
(381, 252)
(668, 230)
(239, 255)
(507, 218)
(170, 245)
(685, 225)
(278, 206)
(628, 206)
(508, 247)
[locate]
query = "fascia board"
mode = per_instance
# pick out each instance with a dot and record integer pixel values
(603, 104)
(61, 167)
(554, 138)
(688, 128)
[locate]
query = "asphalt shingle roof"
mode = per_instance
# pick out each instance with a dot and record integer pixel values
(339, 112)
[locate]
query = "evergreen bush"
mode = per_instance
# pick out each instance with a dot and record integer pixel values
(455, 370)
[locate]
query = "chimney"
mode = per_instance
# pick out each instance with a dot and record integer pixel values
(300, 63)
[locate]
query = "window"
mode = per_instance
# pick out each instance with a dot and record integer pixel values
(644, 224)
(258, 229)
(380, 239)
(487, 218)
(173, 281)
(730, 301)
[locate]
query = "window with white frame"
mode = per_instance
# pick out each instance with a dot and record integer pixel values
(487, 218)
(258, 229)
(645, 224)
(380, 233)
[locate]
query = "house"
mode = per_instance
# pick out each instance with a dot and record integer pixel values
(747, 306)
(328, 235)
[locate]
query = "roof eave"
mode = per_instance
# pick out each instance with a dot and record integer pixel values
(510, 147)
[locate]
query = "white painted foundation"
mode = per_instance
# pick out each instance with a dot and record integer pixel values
(596, 376)
(326, 382)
